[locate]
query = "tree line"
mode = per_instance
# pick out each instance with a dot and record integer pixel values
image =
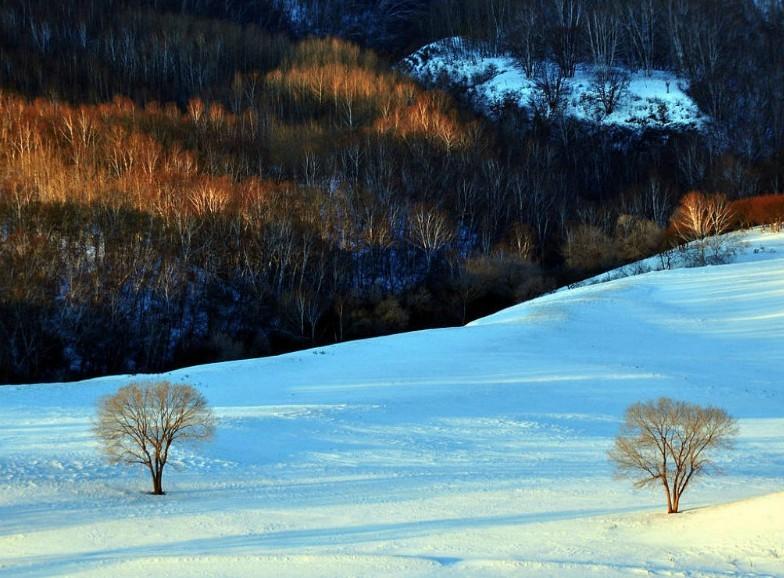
(192, 183)
(141, 237)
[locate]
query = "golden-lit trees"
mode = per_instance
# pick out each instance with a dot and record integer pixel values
(702, 220)
(699, 216)
(166, 179)
(762, 210)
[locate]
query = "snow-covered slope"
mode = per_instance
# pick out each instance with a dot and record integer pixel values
(475, 451)
(657, 100)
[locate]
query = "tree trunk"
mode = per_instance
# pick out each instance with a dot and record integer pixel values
(157, 481)
(670, 508)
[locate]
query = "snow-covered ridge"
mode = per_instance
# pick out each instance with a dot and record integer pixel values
(471, 451)
(657, 100)
(755, 248)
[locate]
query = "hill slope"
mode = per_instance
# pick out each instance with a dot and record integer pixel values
(469, 451)
(658, 100)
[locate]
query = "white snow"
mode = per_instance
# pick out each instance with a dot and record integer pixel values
(656, 100)
(474, 451)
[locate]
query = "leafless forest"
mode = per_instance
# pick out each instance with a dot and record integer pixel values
(185, 182)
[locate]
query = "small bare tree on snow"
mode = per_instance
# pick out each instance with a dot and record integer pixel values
(608, 89)
(139, 424)
(550, 97)
(610, 86)
(670, 443)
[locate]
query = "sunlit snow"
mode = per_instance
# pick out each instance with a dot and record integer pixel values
(474, 451)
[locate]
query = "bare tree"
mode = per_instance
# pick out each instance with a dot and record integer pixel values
(702, 220)
(550, 97)
(670, 443)
(636, 238)
(521, 241)
(603, 29)
(472, 282)
(429, 230)
(526, 38)
(588, 248)
(609, 87)
(566, 34)
(640, 24)
(139, 424)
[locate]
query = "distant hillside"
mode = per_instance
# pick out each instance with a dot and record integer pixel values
(613, 97)
(199, 180)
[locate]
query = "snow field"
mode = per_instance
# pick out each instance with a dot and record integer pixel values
(474, 451)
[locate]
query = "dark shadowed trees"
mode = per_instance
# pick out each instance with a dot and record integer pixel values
(173, 172)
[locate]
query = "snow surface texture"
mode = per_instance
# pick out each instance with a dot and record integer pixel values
(658, 100)
(477, 451)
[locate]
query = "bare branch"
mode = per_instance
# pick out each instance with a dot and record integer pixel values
(668, 442)
(139, 423)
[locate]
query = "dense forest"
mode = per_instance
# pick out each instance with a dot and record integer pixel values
(191, 181)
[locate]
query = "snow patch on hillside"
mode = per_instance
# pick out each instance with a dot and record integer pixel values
(658, 100)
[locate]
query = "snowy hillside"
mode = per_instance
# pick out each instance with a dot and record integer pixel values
(657, 100)
(474, 451)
